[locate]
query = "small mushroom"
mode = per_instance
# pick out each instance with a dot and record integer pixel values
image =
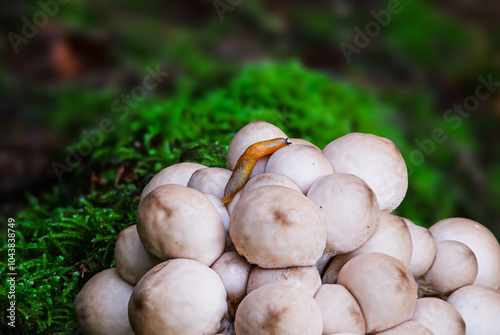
(349, 208)
(253, 132)
(179, 296)
(383, 287)
(277, 227)
(262, 180)
(479, 306)
(175, 174)
(301, 163)
(131, 258)
(454, 266)
(341, 312)
(374, 159)
(480, 240)
(439, 316)
(175, 221)
(278, 309)
(408, 327)
(303, 277)
(211, 180)
(101, 306)
(233, 270)
(221, 208)
(424, 248)
(392, 237)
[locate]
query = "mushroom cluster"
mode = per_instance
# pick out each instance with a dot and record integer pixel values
(291, 239)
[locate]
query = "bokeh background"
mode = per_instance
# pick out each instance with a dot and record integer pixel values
(75, 67)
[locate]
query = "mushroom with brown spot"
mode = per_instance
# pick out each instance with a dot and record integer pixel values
(374, 159)
(278, 309)
(383, 287)
(131, 258)
(175, 221)
(439, 316)
(306, 278)
(341, 312)
(101, 306)
(179, 296)
(276, 227)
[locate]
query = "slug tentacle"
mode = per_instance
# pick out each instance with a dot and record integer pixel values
(246, 163)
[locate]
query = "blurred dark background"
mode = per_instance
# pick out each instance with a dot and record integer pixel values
(64, 63)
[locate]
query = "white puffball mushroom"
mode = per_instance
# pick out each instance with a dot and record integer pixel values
(263, 180)
(131, 257)
(212, 180)
(479, 306)
(480, 240)
(301, 163)
(302, 277)
(408, 327)
(278, 309)
(175, 221)
(383, 287)
(253, 132)
(101, 306)
(224, 214)
(454, 266)
(349, 208)
(179, 296)
(297, 141)
(277, 227)
(341, 312)
(374, 159)
(233, 270)
(175, 174)
(424, 248)
(439, 316)
(392, 237)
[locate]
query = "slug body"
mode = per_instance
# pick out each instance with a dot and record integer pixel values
(246, 163)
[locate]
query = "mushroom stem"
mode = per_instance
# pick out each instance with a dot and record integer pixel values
(246, 163)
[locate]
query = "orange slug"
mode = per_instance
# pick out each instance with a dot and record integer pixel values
(246, 163)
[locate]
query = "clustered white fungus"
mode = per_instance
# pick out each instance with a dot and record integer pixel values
(308, 246)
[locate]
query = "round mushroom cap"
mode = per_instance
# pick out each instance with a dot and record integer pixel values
(212, 180)
(424, 248)
(101, 306)
(263, 180)
(408, 327)
(178, 174)
(479, 306)
(301, 163)
(179, 296)
(392, 237)
(131, 258)
(374, 159)
(383, 287)
(233, 270)
(439, 316)
(341, 312)
(277, 227)
(278, 309)
(480, 240)
(300, 141)
(175, 221)
(349, 208)
(454, 266)
(303, 277)
(224, 214)
(253, 132)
